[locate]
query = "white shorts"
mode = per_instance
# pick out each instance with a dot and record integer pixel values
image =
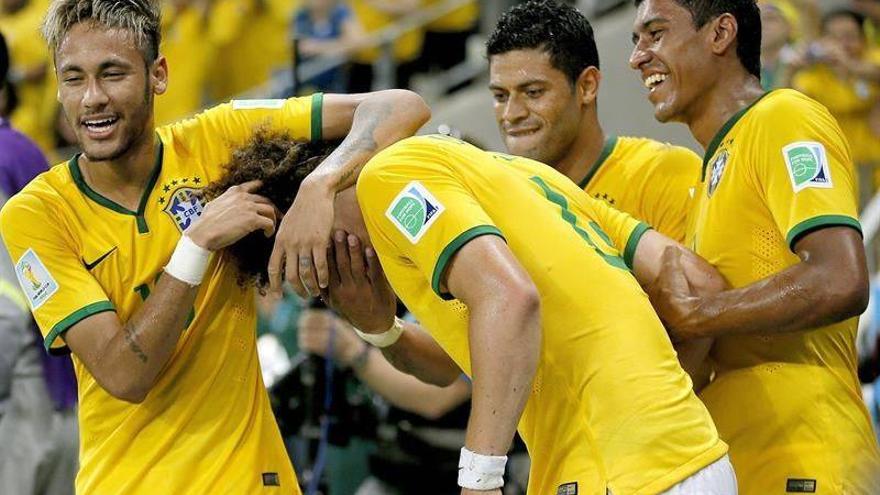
(717, 478)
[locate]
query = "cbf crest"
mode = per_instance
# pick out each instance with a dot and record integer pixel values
(718, 167)
(182, 204)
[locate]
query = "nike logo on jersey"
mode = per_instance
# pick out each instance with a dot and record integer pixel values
(93, 264)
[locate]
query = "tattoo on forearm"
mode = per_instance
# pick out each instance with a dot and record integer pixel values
(361, 140)
(128, 334)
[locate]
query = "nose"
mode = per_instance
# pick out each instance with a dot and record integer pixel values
(514, 110)
(94, 95)
(638, 57)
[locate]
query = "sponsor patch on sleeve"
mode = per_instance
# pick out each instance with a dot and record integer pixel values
(414, 210)
(807, 165)
(257, 104)
(35, 280)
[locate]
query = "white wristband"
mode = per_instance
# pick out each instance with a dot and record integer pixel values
(386, 338)
(480, 472)
(188, 262)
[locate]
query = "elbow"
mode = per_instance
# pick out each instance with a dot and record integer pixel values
(414, 104)
(127, 390)
(852, 300)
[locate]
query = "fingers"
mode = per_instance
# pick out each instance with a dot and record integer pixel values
(249, 186)
(672, 272)
(358, 266)
(343, 259)
(307, 274)
(319, 260)
(276, 261)
(335, 277)
(266, 213)
(291, 272)
(374, 268)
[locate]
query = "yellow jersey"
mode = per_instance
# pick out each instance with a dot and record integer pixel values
(850, 101)
(206, 426)
(405, 49)
(650, 180)
(610, 407)
(789, 404)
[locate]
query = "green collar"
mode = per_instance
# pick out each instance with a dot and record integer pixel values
(607, 148)
(90, 193)
(719, 136)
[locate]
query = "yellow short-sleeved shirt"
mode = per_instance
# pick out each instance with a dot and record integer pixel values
(850, 102)
(463, 18)
(650, 180)
(788, 404)
(406, 48)
(206, 426)
(610, 406)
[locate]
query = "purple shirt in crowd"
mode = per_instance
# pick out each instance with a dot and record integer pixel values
(20, 161)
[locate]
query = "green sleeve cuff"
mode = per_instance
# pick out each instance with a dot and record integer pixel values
(452, 248)
(71, 320)
(317, 121)
(629, 253)
(817, 223)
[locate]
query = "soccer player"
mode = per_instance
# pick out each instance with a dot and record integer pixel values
(776, 214)
(113, 251)
(544, 76)
(515, 273)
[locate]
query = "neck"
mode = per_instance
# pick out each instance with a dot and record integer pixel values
(720, 103)
(584, 152)
(123, 179)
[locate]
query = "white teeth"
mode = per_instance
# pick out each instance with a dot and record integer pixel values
(654, 80)
(99, 123)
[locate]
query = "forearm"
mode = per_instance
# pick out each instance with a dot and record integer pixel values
(137, 353)
(505, 341)
(380, 120)
(798, 298)
(417, 354)
(406, 391)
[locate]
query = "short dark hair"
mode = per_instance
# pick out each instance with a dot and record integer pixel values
(558, 29)
(281, 163)
(748, 21)
(858, 18)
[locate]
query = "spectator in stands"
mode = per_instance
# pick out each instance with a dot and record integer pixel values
(446, 38)
(326, 27)
(375, 16)
(779, 22)
(843, 73)
(34, 82)
(21, 161)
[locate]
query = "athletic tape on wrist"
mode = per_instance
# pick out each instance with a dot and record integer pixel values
(386, 338)
(188, 262)
(480, 472)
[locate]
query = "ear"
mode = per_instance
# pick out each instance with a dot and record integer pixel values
(587, 85)
(723, 33)
(159, 75)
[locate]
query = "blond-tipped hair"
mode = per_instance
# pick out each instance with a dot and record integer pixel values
(139, 17)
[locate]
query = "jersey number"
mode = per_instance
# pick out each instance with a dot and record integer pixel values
(559, 200)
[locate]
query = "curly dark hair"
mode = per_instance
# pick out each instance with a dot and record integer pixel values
(748, 22)
(554, 27)
(282, 163)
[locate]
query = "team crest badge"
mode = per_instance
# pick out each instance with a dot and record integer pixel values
(717, 171)
(184, 206)
(414, 210)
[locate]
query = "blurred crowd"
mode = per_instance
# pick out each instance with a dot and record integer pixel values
(217, 49)
(833, 57)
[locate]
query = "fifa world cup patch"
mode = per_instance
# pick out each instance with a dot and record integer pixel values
(796, 485)
(271, 479)
(807, 165)
(414, 210)
(567, 489)
(35, 280)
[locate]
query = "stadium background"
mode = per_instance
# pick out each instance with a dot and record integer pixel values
(222, 49)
